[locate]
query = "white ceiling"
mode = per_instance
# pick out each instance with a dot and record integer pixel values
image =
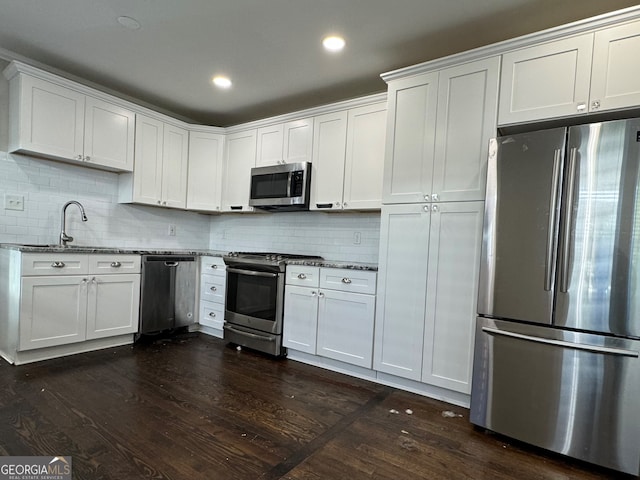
(270, 48)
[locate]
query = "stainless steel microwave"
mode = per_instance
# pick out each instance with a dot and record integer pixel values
(281, 187)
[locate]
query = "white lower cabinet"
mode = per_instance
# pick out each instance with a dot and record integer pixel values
(330, 318)
(91, 300)
(428, 279)
(213, 282)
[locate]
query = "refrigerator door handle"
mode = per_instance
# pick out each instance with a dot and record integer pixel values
(565, 252)
(552, 231)
(562, 343)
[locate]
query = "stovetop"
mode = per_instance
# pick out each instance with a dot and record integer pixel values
(264, 258)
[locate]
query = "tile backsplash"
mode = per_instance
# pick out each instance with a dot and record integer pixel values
(46, 186)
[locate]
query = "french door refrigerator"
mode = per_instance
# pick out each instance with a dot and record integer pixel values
(558, 333)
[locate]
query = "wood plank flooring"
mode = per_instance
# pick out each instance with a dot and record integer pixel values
(193, 408)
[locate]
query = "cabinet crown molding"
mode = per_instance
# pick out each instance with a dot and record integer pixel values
(575, 28)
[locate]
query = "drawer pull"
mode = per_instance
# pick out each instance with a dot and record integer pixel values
(212, 314)
(213, 289)
(346, 280)
(116, 264)
(215, 267)
(302, 276)
(58, 265)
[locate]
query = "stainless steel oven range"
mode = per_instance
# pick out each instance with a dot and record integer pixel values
(254, 303)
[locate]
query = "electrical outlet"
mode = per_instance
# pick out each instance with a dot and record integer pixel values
(13, 202)
(172, 230)
(357, 238)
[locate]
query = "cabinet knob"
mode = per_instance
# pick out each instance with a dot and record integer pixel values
(338, 204)
(58, 264)
(344, 204)
(427, 198)
(78, 157)
(212, 314)
(215, 267)
(164, 203)
(302, 276)
(595, 105)
(434, 197)
(435, 208)
(346, 280)
(159, 202)
(213, 289)
(426, 208)
(320, 294)
(313, 293)
(116, 264)
(87, 158)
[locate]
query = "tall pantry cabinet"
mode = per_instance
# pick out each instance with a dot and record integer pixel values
(438, 130)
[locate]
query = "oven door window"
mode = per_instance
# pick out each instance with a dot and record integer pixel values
(253, 294)
(273, 185)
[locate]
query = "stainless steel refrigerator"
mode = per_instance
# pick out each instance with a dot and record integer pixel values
(558, 333)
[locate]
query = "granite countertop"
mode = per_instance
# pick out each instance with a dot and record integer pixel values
(335, 264)
(53, 248)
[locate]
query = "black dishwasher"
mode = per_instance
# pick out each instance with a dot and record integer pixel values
(168, 292)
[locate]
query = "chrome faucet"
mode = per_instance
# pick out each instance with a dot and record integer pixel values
(64, 238)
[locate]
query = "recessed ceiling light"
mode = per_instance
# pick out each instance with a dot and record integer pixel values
(128, 22)
(221, 81)
(333, 43)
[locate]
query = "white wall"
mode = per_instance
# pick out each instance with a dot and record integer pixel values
(330, 235)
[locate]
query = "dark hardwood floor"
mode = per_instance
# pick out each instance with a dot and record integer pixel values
(192, 408)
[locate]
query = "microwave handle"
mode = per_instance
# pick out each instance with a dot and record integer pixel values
(289, 184)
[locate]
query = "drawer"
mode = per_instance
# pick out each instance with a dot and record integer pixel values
(54, 264)
(114, 263)
(212, 315)
(212, 288)
(348, 280)
(303, 276)
(212, 266)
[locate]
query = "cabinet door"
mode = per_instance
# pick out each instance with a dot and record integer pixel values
(113, 305)
(298, 141)
(204, 181)
(402, 286)
(300, 318)
(546, 81)
(52, 119)
(327, 167)
(615, 77)
(452, 292)
(52, 311)
(175, 158)
(240, 157)
(147, 176)
(108, 135)
(269, 145)
(466, 120)
(411, 128)
(345, 327)
(364, 161)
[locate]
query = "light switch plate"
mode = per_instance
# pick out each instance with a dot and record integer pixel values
(13, 202)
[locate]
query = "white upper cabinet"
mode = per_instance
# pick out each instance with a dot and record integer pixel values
(439, 126)
(160, 174)
(615, 77)
(582, 74)
(60, 123)
(411, 129)
(348, 158)
(466, 120)
(546, 81)
(289, 142)
(204, 181)
(239, 158)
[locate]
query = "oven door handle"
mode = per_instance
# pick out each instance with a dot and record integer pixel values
(252, 272)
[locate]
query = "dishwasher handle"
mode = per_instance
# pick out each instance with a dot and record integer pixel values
(171, 264)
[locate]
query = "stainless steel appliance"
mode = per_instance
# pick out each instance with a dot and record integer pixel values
(281, 187)
(168, 292)
(254, 303)
(558, 335)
